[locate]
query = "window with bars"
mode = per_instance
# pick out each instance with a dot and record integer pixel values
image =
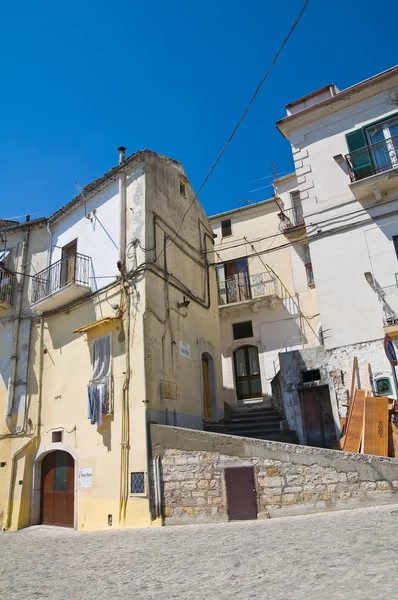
(137, 483)
(310, 274)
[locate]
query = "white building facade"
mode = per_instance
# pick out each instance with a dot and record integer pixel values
(345, 151)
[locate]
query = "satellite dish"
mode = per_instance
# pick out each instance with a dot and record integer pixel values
(394, 97)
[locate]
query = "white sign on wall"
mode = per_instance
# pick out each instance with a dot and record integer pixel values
(85, 478)
(185, 349)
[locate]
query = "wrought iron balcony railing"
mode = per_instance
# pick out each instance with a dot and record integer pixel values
(73, 269)
(244, 287)
(7, 284)
(373, 159)
(292, 218)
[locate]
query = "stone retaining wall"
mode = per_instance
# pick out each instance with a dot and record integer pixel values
(289, 478)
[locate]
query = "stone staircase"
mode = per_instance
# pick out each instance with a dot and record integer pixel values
(256, 421)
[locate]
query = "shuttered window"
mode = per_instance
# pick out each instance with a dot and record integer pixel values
(361, 162)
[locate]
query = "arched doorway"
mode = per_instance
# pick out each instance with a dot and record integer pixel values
(57, 489)
(247, 373)
(208, 385)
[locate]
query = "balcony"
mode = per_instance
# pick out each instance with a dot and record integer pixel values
(374, 169)
(61, 283)
(244, 288)
(7, 285)
(292, 220)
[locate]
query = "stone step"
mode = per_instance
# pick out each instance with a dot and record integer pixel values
(263, 424)
(272, 416)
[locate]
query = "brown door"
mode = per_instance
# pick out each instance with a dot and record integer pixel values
(241, 493)
(318, 422)
(57, 487)
(68, 265)
(206, 388)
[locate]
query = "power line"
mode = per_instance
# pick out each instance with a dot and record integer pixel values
(292, 28)
(322, 222)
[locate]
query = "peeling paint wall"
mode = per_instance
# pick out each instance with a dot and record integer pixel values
(336, 372)
(177, 336)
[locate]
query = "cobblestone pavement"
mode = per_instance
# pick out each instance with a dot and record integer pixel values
(349, 554)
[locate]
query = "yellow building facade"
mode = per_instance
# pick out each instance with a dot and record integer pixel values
(121, 300)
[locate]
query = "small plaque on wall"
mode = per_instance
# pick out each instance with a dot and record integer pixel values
(85, 478)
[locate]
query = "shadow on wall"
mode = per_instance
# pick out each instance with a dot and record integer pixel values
(20, 489)
(283, 329)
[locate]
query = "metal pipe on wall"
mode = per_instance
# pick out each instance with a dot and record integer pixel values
(18, 310)
(122, 196)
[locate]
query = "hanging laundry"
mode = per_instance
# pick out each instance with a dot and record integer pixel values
(92, 402)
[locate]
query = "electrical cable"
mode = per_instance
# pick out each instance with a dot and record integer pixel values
(314, 224)
(292, 28)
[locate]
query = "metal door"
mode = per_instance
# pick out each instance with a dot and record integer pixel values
(241, 493)
(57, 487)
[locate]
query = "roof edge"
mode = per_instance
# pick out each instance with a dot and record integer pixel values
(25, 224)
(343, 94)
(242, 208)
(91, 188)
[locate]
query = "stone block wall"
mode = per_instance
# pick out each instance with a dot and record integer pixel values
(288, 478)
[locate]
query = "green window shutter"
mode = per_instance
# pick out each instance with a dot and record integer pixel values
(361, 160)
(356, 140)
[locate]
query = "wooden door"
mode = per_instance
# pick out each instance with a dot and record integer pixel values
(206, 388)
(241, 493)
(317, 416)
(57, 489)
(68, 265)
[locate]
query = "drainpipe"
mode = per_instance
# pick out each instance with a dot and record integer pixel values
(122, 196)
(18, 310)
(8, 509)
(50, 244)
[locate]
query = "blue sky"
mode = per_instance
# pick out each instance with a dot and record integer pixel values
(82, 78)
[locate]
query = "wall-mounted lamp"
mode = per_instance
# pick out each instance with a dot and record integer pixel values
(369, 278)
(184, 304)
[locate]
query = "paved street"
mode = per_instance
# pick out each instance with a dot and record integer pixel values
(350, 554)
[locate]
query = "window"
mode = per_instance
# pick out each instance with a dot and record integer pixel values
(295, 215)
(137, 483)
(373, 149)
(311, 375)
(233, 281)
(395, 242)
(226, 228)
(310, 274)
(56, 437)
(99, 388)
(242, 330)
(383, 386)
(182, 188)
(247, 373)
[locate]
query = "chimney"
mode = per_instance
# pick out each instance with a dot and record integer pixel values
(27, 218)
(122, 156)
